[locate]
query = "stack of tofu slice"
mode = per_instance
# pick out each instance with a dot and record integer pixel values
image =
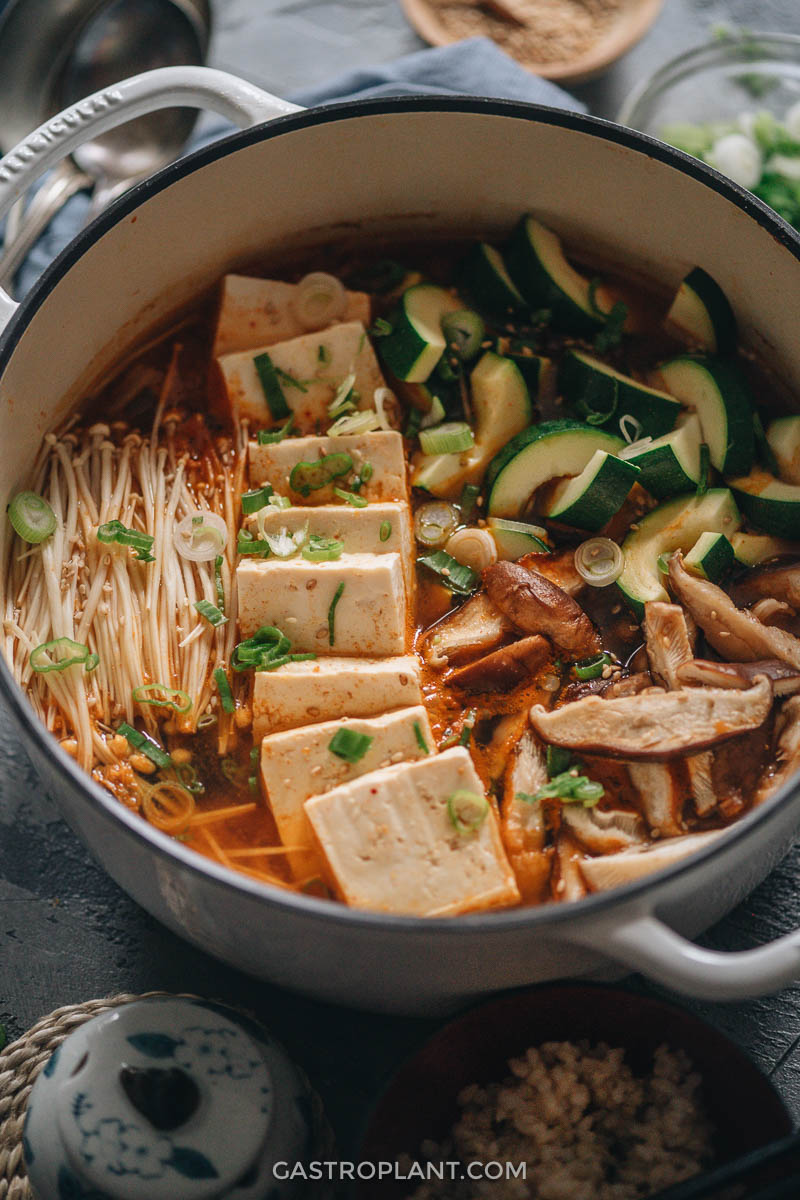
(377, 829)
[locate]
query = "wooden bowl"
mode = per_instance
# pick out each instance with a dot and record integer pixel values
(631, 25)
(420, 1102)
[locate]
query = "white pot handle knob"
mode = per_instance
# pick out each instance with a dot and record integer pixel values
(648, 945)
(167, 87)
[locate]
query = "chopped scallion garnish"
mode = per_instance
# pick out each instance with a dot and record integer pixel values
(569, 785)
(344, 397)
(323, 354)
(420, 736)
(592, 668)
(349, 744)
(115, 531)
(224, 689)
(145, 745)
(350, 497)
(452, 437)
(218, 583)
(290, 380)
(32, 517)
(467, 810)
(380, 328)
(211, 613)
(267, 437)
(385, 531)
(61, 653)
(454, 575)
(464, 331)
(247, 544)
(322, 549)
(161, 696)
(332, 612)
(469, 499)
(271, 387)
(253, 502)
(307, 477)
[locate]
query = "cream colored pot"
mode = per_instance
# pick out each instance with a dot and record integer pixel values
(413, 168)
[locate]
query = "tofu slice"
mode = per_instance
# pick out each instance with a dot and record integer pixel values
(370, 617)
(258, 312)
(384, 451)
(298, 764)
(376, 529)
(318, 361)
(390, 846)
(323, 689)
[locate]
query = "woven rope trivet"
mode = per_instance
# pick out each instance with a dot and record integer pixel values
(22, 1060)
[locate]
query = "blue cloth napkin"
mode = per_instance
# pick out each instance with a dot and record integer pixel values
(476, 67)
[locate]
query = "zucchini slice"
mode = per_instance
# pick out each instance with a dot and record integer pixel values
(718, 393)
(515, 538)
(416, 343)
(485, 279)
(783, 436)
(675, 525)
(502, 407)
(711, 556)
(754, 548)
(700, 312)
(769, 503)
(670, 464)
(538, 267)
(538, 454)
(591, 499)
(596, 389)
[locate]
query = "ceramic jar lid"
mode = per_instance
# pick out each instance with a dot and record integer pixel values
(166, 1099)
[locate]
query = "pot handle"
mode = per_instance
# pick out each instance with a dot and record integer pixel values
(166, 87)
(646, 944)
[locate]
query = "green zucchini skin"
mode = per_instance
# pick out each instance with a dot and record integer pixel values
(537, 454)
(670, 464)
(712, 556)
(769, 504)
(591, 499)
(718, 392)
(702, 310)
(415, 345)
(587, 381)
(483, 277)
(539, 270)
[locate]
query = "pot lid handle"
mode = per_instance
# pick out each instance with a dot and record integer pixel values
(647, 945)
(167, 87)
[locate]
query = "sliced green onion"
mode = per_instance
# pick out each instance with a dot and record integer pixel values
(464, 331)
(254, 501)
(323, 354)
(252, 783)
(350, 745)
(592, 668)
(469, 500)
(350, 497)
(557, 759)
(115, 531)
(434, 522)
(380, 328)
(32, 517)
(211, 613)
(224, 689)
(599, 561)
(453, 574)
(630, 428)
(218, 583)
(662, 562)
(265, 646)
(355, 423)
(59, 654)
(306, 657)
(146, 745)
(385, 531)
(247, 544)
(230, 768)
(201, 536)
(268, 437)
(91, 663)
(332, 612)
(570, 785)
(270, 386)
(272, 664)
(451, 438)
(343, 401)
(322, 549)
(465, 737)
(284, 544)
(142, 696)
(467, 810)
(420, 736)
(435, 414)
(595, 416)
(307, 477)
(705, 469)
(290, 380)
(366, 472)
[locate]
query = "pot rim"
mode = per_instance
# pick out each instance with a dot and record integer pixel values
(498, 921)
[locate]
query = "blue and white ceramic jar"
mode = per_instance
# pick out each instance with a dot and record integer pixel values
(168, 1099)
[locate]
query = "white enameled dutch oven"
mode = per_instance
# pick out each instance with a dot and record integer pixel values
(418, 168)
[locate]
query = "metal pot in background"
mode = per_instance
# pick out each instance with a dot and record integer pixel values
(54, 55)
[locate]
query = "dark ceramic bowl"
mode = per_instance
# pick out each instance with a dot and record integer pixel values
(420, 1102)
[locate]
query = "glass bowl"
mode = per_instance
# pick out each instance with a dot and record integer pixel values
(716, 82)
